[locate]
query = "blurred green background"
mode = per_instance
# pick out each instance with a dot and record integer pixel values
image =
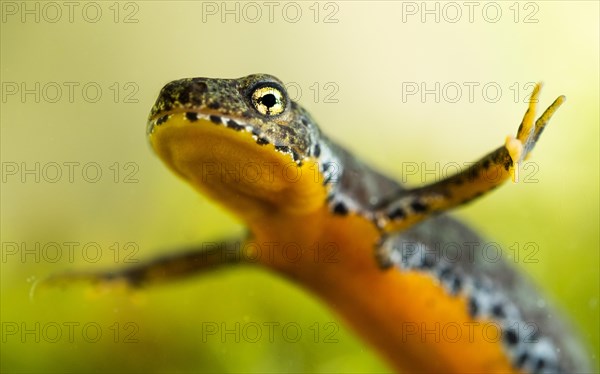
(360, 54)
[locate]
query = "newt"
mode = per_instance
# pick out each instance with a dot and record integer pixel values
(393, 273)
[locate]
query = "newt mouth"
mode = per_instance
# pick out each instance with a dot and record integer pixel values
(219, 120)
(229, 161)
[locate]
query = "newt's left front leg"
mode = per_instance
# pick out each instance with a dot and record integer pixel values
(414, 205)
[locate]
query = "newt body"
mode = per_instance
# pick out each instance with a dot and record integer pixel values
(392, 280)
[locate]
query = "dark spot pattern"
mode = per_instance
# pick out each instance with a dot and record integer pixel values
(498, 311)
(317, 150)
(455, 285)
(261, 141)
(540, 364)
(340, 208)
(234, 125)
(162, 120)
(510, 336)
(191, 116)
(445, 273)
(288, 130)
(282, 148)
(473, 307)
(418, 206)
(228, 99)
(522, 359)
(297, 158)
(484, 301)
(397, 214)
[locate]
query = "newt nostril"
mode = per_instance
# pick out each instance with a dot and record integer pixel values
(199, 86)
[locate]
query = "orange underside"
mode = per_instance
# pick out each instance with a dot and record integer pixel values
(407, 316)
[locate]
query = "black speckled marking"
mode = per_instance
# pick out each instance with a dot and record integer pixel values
(540, 364)
(451, 280)
(340, 208)
(261, 141)
(486, 163)
(162, 120)
(498, 311)
(234, 125)
(484, 300)
(473, 307)
(418, 207)
(296, 158)
(455, 285)
(317, 150)
(445, 273)
(288, 130)
(397, 214)
(215, 119)
(214, 105)
(511, 337)
(191, 116)
(282, 148)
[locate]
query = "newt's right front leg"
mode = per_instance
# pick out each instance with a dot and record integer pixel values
(411, 206)
(184, 263)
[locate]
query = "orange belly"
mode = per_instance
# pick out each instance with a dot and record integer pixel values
(406, 315)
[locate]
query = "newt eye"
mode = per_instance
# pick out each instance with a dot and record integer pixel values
(268, 100)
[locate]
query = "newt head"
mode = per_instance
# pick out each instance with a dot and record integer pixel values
(241, 141)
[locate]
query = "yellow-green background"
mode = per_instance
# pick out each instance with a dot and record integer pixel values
(368, 54)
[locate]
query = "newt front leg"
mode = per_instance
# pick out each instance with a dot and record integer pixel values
(411, 206)
(182, 263)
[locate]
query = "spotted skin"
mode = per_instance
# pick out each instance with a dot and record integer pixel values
(337, 198)
(229, 98)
